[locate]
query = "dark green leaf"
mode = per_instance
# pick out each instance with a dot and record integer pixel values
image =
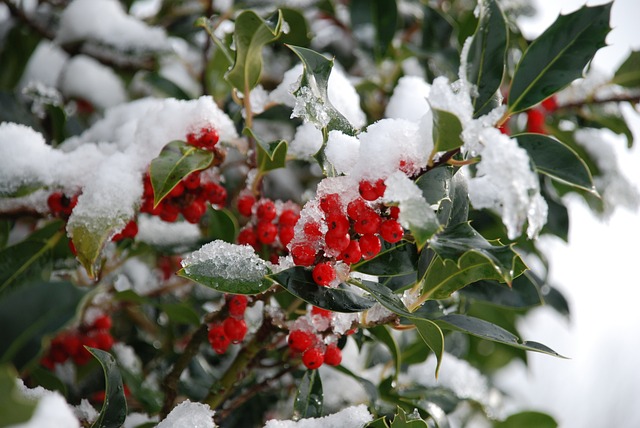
(486, 57)
(432, 336)
(402, 420)
(309, 398)
(379, 15)
(299, 33)
(381, 422)
(176, 160)
(220, 224)
(114, 408)
(251, 34)
(57, 119)
(447, 131)
(166, 86)
(48, 380)
(628, 74)
(386, 298)
(558, 56)
(181, 313)
(486, 330)
(556, 160)
(313, 87)
(528, 419)
(28, 259)
(299, 282)
(27, 317)
(458, 240)
(393, 260)
(17, 47)
(14, 409)
(271, 155)
(524, 293)
(383, 335)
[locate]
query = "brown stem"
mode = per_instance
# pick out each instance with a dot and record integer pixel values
(634, 99)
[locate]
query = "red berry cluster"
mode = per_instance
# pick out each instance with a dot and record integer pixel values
(536, 117)
(71, 344)
(233, 329)
(61, 205)
(353, 232)
(205, 138)
(129, 231)
(189, 198)
(304, 340)
(269, 224)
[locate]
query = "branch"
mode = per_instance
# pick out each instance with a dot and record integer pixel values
(633, 99)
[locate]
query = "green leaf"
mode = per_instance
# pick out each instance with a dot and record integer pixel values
(556, 160)
(379, 15)
(447, 131)
(486, 330)
(251, 34)
(309, 398)
(18, 45)
(523, 293)
(447, 188)
(453, 243)
(27, 317)
(443, 277)
(29, 259)
(299, 33)
(220, 224)
(313, 88)
(176, 160)
(528, 419)
(299, 282)
(558, 56)
(393, 260)
(486, 56)
(381, 422)
(402, 420)
(181, 313)
(166, 86)
(89, 241)
(114, 408)
(432, 336)
(271, 155)
(14, 408)
(628, 74)
(383, 335)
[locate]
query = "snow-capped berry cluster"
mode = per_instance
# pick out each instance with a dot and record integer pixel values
(312, 337)
(204, 138)
(234, 328)
(346, 232)
(270, 224)
(71, 344)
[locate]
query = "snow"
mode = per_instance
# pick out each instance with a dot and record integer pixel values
(306, 142)
(352, 417)
(342, 151)
(135, 419)
(45, 65)
(85, 411)
(229, 261)
(51, 411)
(188, 414)
(154, 231)
(409, 99)
(127, 358)
(106, 22)
(85, 78)
(414, 209)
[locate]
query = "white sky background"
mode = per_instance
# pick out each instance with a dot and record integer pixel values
(600, 385)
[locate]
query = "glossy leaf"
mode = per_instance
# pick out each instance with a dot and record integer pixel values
(89, 241)
(628, 74)
(447, 131)
(14, 408)
(432, 336)
(486, 56)
(528, 419)
(221, 224)
(453, 243)
(486, 330)
(29, 259)
(176, 160)
(309, 398)
(558, 56)
(393, 260)
(523, 293)
(444, 277)
(299, 33)
(383, 335)
(299, 282)
(114, 407)
(313, 88)
(556, 160)
(271, 155)
(27, 317)
(214, 274)
(379, 15)
(402, 420)
(251, 34)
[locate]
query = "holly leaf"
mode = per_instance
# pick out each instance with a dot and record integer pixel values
(447, 131)
(220, 224)
(556, 160)
(176, 160)
(486, 56)
(299, 282)
(393, 260)
(114, 407)
(523, 293)
(89, 240)
(628, 74)
(270, 156)
(14, 408)
(251, 34)
(558, 56)
(402, 420)
(309, 397)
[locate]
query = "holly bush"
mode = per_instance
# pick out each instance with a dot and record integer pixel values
(252, 212)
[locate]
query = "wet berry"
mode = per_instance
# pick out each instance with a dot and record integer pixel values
(248, 236)
(266, 232)
(303, 255)
(237, 304)
(337, 241)
(352, 254)
(245, 204)
(368, 222)
(300, 341)
(235, 329)
(323, 273)
(332, 355)
(218, 338)
(370, 246)
(266, 210)
(391, 231)
(312, 358)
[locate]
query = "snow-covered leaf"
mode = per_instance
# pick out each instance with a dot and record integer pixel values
(114, 407)
(402, 420)
(558, 56)
(309, 397)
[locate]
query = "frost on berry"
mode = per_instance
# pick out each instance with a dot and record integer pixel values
(300, 340)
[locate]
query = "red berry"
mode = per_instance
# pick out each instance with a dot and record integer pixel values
(332, 355)
(394, 212)
(266, 232)
(68, 204)
(352, 254)
(237, 304)
(337, 241)
(235, 329)
(168, 212)
(216, 194)
(367, 190)
(300, 341)
(379, 187)
(192, 181)
(177, 191)
(355, 207)
(312, 358)
(312, 230)
(338, 222)
(535, 121)
(54, 202)
(330, 203)
(129, 231)
(303, 255)
(84, 356)
(103, 339)
(72, 247)
(288, 218)
(218, 338)
(194, 212)
(208, 138)
(323, 273)
(247, 236)
(245, 204)
(370, 246)
(391, 231)
(266, 210)
(324, 313)
(71, 344)
(103, 322)
(286, 233)
(368, 222)
(550, 104)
